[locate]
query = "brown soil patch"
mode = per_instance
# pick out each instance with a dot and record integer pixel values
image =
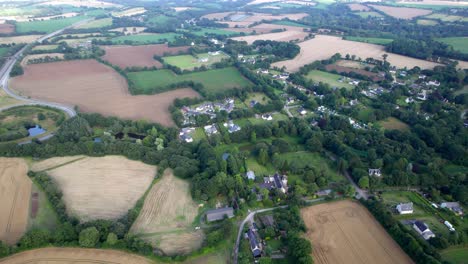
(323, 47)
(6, 28)
(281, 36)
(358, 7)
(102, 188)
(402, 12)
(345, 232)
(340, 69)
(74, 256)
(15, 194)
(139, 56)
(95, 88)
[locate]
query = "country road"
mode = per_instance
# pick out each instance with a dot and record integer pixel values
(8, 66)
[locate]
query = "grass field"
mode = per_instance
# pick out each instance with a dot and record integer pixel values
(212, 80)
(46, 218)
(98, 23)
(261, 98)
(447, 18)
(47, 26)
(457, 255)
(458, 43)
(213, 31)
(393, 123)
(379, 41)
(145, 38)
(426, 22)
(189, 62)
(288, 23)
(3, 51)
(329, 78)
(45, 47)
(6, 100)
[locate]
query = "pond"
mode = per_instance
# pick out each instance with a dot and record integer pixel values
(35, 130)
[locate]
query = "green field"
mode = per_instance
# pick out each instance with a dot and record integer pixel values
(47, 26)
(447, 18)
(288, 23)
(456, 255)
(368, 14)
(98, 23)
(158, 20)
(261, 98)
(426, 22)
(214, 31)
(214, 81)
(189, 62)
(145, 38)
(3, 51)
(379, 41)
(46, 218)
(393, 123)
(329, 78)
(458, 43)
(45, 47)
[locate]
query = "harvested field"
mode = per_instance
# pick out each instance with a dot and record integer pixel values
(402, 12)
(139, 56)
(78, 3)
(19, 39)
(267, 28)
(167, 215)
(247, 20)
(323, 47)
(74, 256)
(30, 19)
(6, 28)
(29, 59)
(258, 2)
(351, 64)
(45, 47)
(15, 194)
(345, 232)
(102, 188)
(181, 8)
(340, 69)
(75, 80)
(281, 36)
(128, 30)
(358, 7)
(130, 12)
(54, 162)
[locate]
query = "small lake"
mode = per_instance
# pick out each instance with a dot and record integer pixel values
(35, 131)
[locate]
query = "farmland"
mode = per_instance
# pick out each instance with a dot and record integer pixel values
(402, 12)
(188, 62)
(6, 28)
(458, 43)
(129, 12)
(358, 7)
(19, 39)
(167, 215)
(46, 26)
(29, 59)
(368, 14)
(457, 255)
(138, 56)
(98, 23)
(212, 80)
(379, 41)
(447, 18)
(345, 232)
(74, 80)
(15, 194)
(328, 78)
(393, 123)
(427, 22)
(145, 38)
(45, 47)
(102, 188)
(6, 100)
(244, 20)
(280, 36)
(323, 47)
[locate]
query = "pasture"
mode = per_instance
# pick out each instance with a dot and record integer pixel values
(189, 62)
(426, 22)
(457, 43)
(323, 47)
(334, 80)
(47, 26)
(138, 56)
(129, 12)
(19, 39)
(75, 80)
(379, 41)
(212, 80)
(345, 232)
(167, 215)
(98, 23)
(392, 123)
(102, 188)
(402, 12)
(456, 255)
(280, 36)
(447, 18)
(145, 38)
(6, 100)
(45, 47)
(15, 193)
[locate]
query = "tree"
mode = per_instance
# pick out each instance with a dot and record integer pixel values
(364, 182)
(262, 157)
(89, 237)
(112, 239)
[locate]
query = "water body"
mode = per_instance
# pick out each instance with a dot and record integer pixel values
(35, 131)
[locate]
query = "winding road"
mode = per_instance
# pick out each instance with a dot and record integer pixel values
(8, 66)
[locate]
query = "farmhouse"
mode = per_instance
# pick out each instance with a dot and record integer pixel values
(211, 129)
(405, 208)
(375, 172)
(453, 206)
(219, 214)
(276, 181)
(423, 230)
(267, 117)
(255, 246)
(250, 175)
(231, 127)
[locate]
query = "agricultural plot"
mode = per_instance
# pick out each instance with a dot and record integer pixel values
(102, 188)
(45, 47)
(73, 256)
(345, 232)
(334, 80)
(447, 18)
(75, 80)
(457, 255)
(145, 38)
(213, 31)
(379, 41)
(42, 215)
(457, 43)
(130, 12)
(138, 56)
(358, 7)
(280, 36)
(33, 58)
(368, 14)
(426, 22)
(47, 26)
(15, 193)
(98, 23)
(402, 12)
(323, 47)
(167, 215)
(435, 3)
(19, 39)
(6, 100)
(80, 3)
(268, 28)
(6, 28)
(212, 80)
(189, 62)
(241, 19)
(392, 123)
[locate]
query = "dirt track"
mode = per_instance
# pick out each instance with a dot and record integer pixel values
(15, 195)
(345, 232)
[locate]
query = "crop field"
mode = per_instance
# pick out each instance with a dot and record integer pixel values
(129, 12)
(250, 19)
(280, 36)
(212, 80)
(46, 26)
(458, 43)
(15, 193)
(426, 22)
(345, 232)
(357, 69)
(267, 28)
(358, 7)
(447, 18)
(402, 12)
(75, 80)
(19, 39)
(6, 28)
(55, 162)
(98, 23)
(45, 47)
(145, 38)
(73, 256)
(329, 78)
(167, 215)
(379, 41)
(188, 62)
(435, 3)
(78, 3)
(323, 47)
(139, 56)
(102, 188)
(215, 31)
(393, 123)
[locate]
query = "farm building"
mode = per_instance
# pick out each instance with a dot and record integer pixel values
(405, 208)
(255, 245)
(276, 181)
(423, 230)
(219, 214)
(453, 206)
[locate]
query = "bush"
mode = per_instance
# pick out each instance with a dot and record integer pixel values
(89, 237)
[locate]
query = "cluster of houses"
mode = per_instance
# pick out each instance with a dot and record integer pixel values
(277, 181)
(373, 92)
(208, 108)
(186, 133)
(231, 127)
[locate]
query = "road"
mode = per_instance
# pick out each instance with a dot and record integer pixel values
(8, 66)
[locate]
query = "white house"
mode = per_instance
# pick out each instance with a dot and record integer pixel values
(267, 117)
(449, 226)
(453, 206)
(423, 230)
(405, 208)
(250, 175)
(375, 172)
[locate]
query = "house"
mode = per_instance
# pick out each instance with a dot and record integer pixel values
(453, 206)
(211, 130)
(214, 53)
(231, 127)
(276, 181)
(433, 83)
(267, 117)
(325, 192)
(250, 175)
(409, 100)
(219, 214)
(353, 102)
(423, 230)
(185, 134)
(302, 111)
(284, 75)
(375, 172)
(240, 56)
(255, 245)
(405, 208)
(203, 60)
(449, 226)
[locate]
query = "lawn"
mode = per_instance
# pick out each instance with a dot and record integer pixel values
(141, 39)
(393, 123)
(288, 23)
(214, 81)
(456, 255)
(368, 14)
(261, 98)
(98, 23)
(47, 26)
(329, 78)
(379, 41)
(458, 43)
(258, 169)
(189, 62)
